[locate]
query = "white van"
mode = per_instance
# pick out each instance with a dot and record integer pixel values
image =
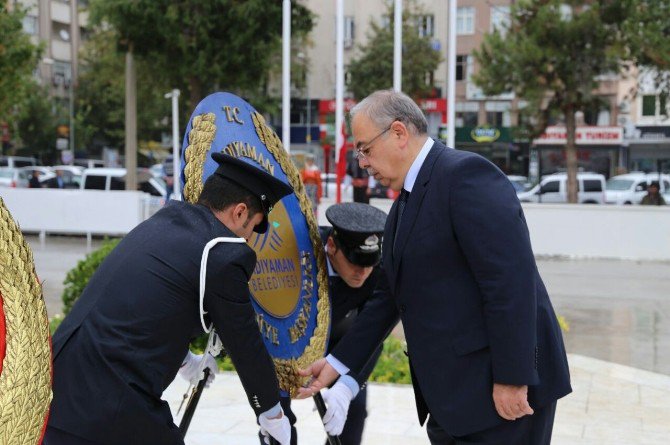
(115, 179)
(632, 187)
(554, 189)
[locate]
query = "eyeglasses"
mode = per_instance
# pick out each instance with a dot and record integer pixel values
(364, 151)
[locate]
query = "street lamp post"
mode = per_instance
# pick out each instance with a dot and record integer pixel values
(176, 160)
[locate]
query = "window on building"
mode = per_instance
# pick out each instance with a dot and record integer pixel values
(30, 25)
(348, 31)
(500, 19)
(654, 105)
(494, 118)
(461, 67)
(663, 105)
(61, 73)
(466, 119)
(465, 20)
(426, 25)
(648, 105)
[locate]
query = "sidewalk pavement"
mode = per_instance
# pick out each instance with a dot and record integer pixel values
(611, 404)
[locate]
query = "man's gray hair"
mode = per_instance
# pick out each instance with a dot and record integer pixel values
(385, 106)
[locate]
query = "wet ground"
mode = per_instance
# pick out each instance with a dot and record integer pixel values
(618, 311)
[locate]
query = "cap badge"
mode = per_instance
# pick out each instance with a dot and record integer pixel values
(371, 244)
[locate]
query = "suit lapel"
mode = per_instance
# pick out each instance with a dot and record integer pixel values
(414, 205)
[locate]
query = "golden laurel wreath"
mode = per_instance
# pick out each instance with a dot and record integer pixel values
(25, 380)
(200, 140)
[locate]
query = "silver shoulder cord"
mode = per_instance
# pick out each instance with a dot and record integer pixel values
(214, 345)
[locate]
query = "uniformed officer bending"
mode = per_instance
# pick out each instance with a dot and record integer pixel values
(126, 337)
(353, 252)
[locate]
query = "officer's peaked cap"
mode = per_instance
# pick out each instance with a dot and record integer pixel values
(358, 229)
(263, 185)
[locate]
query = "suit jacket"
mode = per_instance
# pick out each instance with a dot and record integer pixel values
(129, 332)
(464, 282)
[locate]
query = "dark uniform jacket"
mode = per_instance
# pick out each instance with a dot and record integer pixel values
(129, 332)
(464, 282)
(346, 302)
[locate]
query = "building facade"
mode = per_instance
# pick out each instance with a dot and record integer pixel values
(61, 26)
(632, 126)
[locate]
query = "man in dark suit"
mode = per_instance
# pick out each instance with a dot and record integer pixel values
(127, 335)
(485, 348)
(34, 182)
(57, 182)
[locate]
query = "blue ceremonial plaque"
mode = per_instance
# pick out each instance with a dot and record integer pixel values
(289, 285)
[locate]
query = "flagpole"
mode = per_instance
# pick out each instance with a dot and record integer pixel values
(339, 90)
(451, 76)
(397, 46)
(286, 76)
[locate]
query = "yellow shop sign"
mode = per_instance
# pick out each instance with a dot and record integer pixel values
(485, 133)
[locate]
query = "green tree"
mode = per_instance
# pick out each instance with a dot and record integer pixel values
(36, 123)
(201, 47)
(373, 69)
(555, 50)
(100, 96)
(18, 58)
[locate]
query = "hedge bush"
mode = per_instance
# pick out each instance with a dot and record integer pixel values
(393, 366)
(77, 278)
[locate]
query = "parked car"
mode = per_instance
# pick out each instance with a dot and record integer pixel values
(632, 187)
(45, 173)
(13, 177)
(71, 175)
(553, 189)
(17, 161)
(89, 163)
(520, 183)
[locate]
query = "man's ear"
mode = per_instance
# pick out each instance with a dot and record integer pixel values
(239, 212)
(400, 130)
(330, 245)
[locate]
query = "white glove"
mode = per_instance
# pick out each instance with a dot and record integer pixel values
(337, 400)
(189, 368)
(279, 428)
